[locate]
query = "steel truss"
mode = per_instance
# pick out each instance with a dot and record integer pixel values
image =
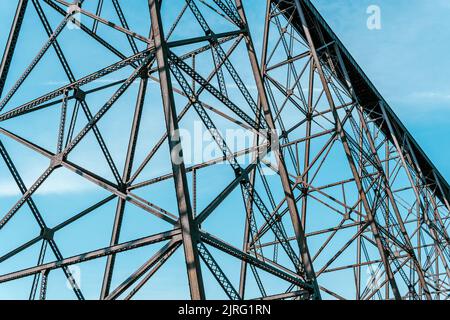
(337, 202)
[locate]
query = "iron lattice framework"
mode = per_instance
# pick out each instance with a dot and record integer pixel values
(345, 206)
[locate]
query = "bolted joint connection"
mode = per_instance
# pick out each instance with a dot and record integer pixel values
(47, 233)
(143, 73)
(57, 160)
(79, 94)
(284, 135)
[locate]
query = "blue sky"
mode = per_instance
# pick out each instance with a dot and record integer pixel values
(406, 60)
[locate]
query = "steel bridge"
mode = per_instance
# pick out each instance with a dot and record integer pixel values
(333, 199)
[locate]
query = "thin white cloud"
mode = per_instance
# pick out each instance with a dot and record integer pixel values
(8, 190)
(53, 186)
(433, 95)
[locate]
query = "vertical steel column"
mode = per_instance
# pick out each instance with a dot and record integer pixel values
(306, 162)
(125, 177)
(401, 224)
(424, 181)
(248, 216)
(346, 146)
(12, 41)
(387, 170)
(387, 187)
(359, 242)
(249, 205)
(399, 149)
(287, 188)
(188, 227)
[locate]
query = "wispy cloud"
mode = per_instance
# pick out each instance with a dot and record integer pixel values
(432, 95)
(54, 187)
